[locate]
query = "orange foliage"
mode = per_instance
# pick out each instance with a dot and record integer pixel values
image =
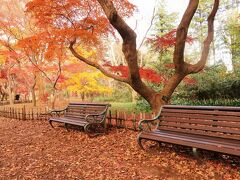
(73, 18)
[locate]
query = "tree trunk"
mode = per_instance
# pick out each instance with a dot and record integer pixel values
(82, 96)
(41, 85)
(53, 99)
(33, 97)
(33, 91)
(162, 98)
(11, 97)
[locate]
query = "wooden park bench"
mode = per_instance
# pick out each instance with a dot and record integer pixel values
(211, 128)
(90, 116)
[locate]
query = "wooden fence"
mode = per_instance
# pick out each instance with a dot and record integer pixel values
(126, 120)
(119, 119)
(24, 113)
(2, 103)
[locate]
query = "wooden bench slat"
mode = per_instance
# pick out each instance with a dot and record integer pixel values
(200, 132)
(201, 127)
(237, 109)
(201, 121)
(86, 107)
(70, 121)
(84, 110)
(204, 112)
(212, 117)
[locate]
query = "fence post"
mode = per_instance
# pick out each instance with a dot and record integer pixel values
(116, 118)
(10, 112)
(134, 121)
(23, 113)
(45, 114)
(110, 118)
(124, 119)
(13, 115)
(32, 115)
(19, 118)
(37, 114)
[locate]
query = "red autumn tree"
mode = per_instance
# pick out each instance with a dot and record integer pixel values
(88, 21)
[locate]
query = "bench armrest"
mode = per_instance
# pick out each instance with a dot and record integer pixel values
(91, 118)
(149, 123)
(56, 111)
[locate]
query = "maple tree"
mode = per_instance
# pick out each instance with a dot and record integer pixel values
(86, 22)
(37, 53)
(87, 84)
(14, 27)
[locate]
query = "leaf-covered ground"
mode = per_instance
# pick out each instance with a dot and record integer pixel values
(33, 150)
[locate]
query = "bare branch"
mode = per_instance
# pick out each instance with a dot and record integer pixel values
(39, 68)
(58, 74)
(150, 26)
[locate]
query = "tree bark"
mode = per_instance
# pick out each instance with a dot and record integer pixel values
(53, 99)
(33, 91)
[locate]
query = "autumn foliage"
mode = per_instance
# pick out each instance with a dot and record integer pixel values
(162, 43)
(147, 74)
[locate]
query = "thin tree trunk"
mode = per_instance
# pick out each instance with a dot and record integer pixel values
(82, 96)
(33, 91)
(53, 99)
(11, 97)
(33, 97)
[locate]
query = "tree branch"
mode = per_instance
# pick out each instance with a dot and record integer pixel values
(150, 26)
(182, 31)
(94, 64)
(34, 64)
(207, 42)
(58, 74)
(129, 39)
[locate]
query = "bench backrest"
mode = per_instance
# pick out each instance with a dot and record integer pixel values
(214, 121)
(80, 110)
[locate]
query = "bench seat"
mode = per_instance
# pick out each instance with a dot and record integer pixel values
(211, 128)
(80, 122)
(228, 146)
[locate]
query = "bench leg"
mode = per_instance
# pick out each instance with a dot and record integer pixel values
(195, 152)
(139, 140)
(50, 122)
(65, 125)
(93, 133)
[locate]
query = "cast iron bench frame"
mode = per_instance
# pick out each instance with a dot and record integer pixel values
(214, 128)
(88, 115)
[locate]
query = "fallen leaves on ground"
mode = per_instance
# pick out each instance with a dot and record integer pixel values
(33, 150)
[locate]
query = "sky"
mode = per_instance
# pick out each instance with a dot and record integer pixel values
(145, 11)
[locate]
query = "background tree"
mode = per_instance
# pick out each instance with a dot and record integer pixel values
(87, 84)
(232, 37)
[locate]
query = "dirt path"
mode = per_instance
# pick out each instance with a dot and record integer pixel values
(33, 150)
